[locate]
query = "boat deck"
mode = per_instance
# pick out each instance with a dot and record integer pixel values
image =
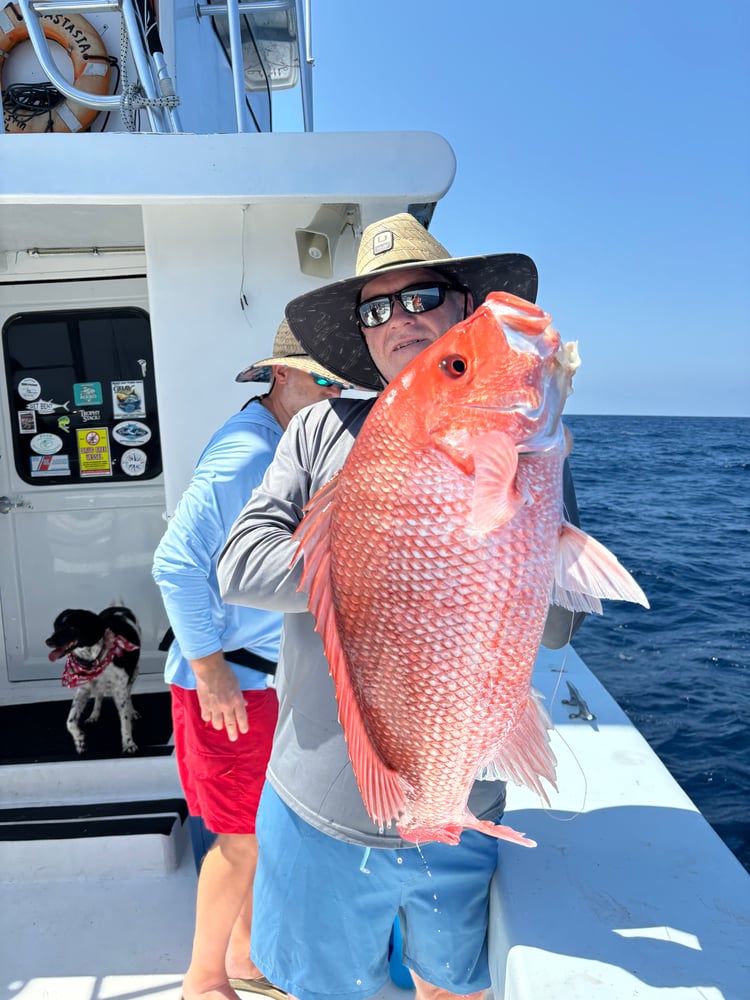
(616, 901)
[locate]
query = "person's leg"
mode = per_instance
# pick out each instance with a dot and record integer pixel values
(322, 919)
(426, 991)
(224, 886)
(239, 965)
(445, 914)
(222, 782)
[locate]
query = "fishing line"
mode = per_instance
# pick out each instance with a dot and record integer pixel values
(553, 700)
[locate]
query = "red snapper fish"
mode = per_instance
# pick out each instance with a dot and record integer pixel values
(430, 560)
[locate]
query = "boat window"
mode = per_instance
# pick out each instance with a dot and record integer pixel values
(270, 54)
(82, 396)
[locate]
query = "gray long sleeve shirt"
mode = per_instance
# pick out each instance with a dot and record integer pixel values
(309, 766)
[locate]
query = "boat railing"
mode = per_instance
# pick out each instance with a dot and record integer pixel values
(153, 90)
(232, 9)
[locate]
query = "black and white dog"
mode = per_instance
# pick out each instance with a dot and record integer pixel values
(102, 661)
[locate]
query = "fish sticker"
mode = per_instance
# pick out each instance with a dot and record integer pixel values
(87, 393)
(431, 559)
(128, 399)
(131, 432)
(45, 406)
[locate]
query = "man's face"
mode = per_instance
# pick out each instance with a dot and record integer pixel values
(299, 389)
(405, 335)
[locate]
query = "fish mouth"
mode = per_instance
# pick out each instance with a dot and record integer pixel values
(531, 406)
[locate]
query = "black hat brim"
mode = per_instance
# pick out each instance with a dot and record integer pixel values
(325, 321)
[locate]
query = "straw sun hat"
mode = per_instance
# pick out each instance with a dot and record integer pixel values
(325, 320)
(288, 351)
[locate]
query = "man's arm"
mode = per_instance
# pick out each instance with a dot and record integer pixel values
(231, 465)
(253, 568)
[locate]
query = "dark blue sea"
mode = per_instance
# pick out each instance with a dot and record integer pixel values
(670, 496)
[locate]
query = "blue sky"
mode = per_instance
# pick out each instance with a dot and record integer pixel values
(609, 140)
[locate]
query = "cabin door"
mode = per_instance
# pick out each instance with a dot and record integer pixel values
(81, 491)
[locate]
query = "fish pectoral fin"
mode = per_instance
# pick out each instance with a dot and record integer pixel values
(525, 757)
(586, 571)
(383, 790)
(496, 496)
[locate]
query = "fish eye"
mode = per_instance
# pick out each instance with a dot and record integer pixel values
(454, 365)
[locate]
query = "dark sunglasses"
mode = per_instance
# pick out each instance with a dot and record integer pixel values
(326, 382)
(417, 299)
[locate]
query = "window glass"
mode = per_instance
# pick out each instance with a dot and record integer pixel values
(82, 396)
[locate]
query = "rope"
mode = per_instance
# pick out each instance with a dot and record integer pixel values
(133, 96)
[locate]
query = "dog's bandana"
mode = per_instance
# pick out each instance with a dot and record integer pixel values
(75, 672)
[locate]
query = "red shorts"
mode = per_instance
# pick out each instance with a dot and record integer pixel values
(222, 781)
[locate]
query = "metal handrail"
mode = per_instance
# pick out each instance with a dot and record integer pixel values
(102, 102)
(232, 10)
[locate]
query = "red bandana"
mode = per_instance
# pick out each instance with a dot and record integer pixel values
(76, 673)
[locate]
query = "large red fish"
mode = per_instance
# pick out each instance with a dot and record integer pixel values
(430, 562)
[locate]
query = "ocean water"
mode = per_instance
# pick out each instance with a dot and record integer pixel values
(670, 496)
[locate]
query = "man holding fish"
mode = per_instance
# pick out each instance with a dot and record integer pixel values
(430, 550)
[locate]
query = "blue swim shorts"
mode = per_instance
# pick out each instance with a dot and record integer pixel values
(321, 925)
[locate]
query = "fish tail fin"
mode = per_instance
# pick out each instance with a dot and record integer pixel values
(383, 790)
(586, 571)
(499, 831)
(450, 833)
(526, 756)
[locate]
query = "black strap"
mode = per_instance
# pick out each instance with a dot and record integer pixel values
(241, 656)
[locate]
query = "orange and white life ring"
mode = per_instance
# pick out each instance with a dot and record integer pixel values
(92, 69)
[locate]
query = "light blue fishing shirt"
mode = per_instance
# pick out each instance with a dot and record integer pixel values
(231, 466)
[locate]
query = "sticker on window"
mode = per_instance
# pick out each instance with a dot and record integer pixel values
(49, 465)
(133, 462)
(29, 388)
(88, 393)
(93, 452)
(87, 416)
(45, 406)
(131, 432)
(128, 399)
(26, 422)
(46, 444)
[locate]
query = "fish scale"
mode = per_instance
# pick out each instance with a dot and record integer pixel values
(431, 560)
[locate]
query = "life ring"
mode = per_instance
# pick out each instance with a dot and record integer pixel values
(92, 69)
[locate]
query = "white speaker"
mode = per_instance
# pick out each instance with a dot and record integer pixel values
(316, 244)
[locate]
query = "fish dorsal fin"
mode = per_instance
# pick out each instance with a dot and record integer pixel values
(586, 571)
(496, 496)
(383, 790)
(525, 757)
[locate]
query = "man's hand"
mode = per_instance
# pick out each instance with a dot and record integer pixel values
(221, 700)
